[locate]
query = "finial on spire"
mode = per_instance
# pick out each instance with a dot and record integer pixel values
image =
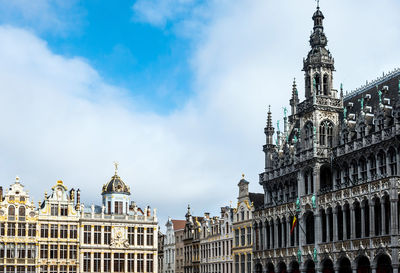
(116, 167)
(242, 175)
(317, 4)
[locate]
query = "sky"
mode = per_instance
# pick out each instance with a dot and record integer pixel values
(176, 91)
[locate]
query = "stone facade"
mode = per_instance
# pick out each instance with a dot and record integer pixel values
(242, 248)
(334, 168)
(216, 243)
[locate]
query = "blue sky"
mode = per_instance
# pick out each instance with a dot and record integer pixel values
(176, 91)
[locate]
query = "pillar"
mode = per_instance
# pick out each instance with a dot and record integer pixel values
(328, 226)
(344, 213)
(335, 225)
(362, 220)
(371, 218)
(383, 215)
(352, 223)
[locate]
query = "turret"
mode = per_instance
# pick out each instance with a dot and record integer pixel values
(268, 148)
(319, 64)
(294, 101)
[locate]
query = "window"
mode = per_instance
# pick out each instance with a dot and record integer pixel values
(2, 229)
(31, 251)
(86, 262)
(354, 176)
(11, 251)
(31, 269)
(392, 162)
(63, 231)
(52, 269)
(44, 231)
(97, 235)
(11, 212)
(248, 262)
(63, 269)
(64, 210)
(236, 263)
(87, 234)
(11, 229)
(31, 230)
(107, 262)
(140, 262)
(242, 263)
(53, 252)
(72, 269)
(372, 166)
(21, 213)
(20, 269)
(382, 163)
(249, 236)
(72, 252)
(326, 134)
(109, 207)
(243, 236)
(107, 235)
(131, 262)
(140, 236)
(44, 251)
(43, 269)
(21, 251)
(73, 232)
(119, 262)
(363, 169)
(118, 207)
(149, 236)
(237, 237)
(149, 263)
(131, 235)
(97, 262)
(54, 231)
(54, 210)
(21, 229)
(63, 251)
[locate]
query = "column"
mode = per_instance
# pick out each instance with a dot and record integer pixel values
(283, 234)
(383, 217)
(112, 261)
(102, 261)
(318, 228)
(328, 226)
(394, 213)
(301, 234)
(80, 262)
(91, 261)
(288, 227)
(371, 218)
(276, 234)
(352, 223)
(126, 262)
(344, 213)
(362, 220)
(271, 237)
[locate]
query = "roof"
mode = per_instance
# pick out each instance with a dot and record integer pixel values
(391, 80)
(178, 224)
(116, 185)
(257, 199)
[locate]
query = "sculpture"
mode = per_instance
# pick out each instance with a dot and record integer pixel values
(345, 113)
(315, 255)
(299, 256)
(313, 201)
(298, 204)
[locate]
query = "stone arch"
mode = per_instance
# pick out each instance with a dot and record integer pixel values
(294, 267)
(344, 265)
(383, 264)
(327, 266)
(363, 264)
(270, 268)
(282, 267)
(310, 231)
(258, 268)
(309, 266)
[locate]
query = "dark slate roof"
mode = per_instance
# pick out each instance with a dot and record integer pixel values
(116, 185)
(257, 199)
(391, 80)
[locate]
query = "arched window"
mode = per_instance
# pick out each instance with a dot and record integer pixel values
(378, 216)
(326, 134)
(392, 161)
(354, 174)
(11, 212)
(382, 162)
(386, 204)
(21, 213)
(309, 216)
(357, 214)
(363, 168)
(326, 85)
(326, 177)
(308, 135)
(346, 174)
(372, 166)
(339, 213)
(317, 81)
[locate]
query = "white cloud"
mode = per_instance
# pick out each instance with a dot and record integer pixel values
(62, 121)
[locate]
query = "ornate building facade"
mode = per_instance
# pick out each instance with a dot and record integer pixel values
(216, 241)
(62, 236)
(172, 250)
(331, 179)
(242, 248)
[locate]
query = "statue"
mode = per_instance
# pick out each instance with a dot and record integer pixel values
(399, 86)
(298, 204)
(380, 96)
(362, 103)
(313, 201)
(315, 85)
(341, 86)
(299, 255)
(315, 132)
(285, 112)
(277, 125)
(345, 113)
(295, 139)
(315, 255)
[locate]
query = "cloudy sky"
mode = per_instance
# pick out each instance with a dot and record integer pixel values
(176, 91)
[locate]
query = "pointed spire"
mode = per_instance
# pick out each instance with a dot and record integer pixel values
(269, 129)
(269, 118)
